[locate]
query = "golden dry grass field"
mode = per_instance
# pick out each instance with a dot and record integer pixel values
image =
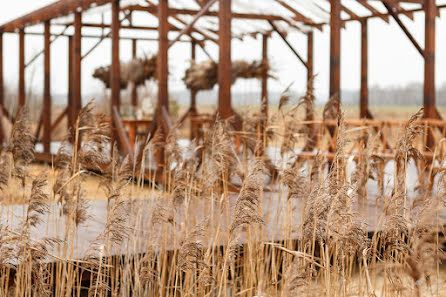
(92, 181)
(224, 222)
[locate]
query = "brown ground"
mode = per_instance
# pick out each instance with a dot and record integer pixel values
(92, 186)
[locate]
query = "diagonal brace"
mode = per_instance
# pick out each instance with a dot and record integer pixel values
(104, 36)
(395, 16)
(186, 29)
(288, 44)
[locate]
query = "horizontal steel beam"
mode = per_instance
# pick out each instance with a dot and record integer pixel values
(54, 10)
(100, 36)
(127, 27)
(174, 11)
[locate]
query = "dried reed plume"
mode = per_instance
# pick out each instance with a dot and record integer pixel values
(220, 156)
(394, 208)
(247, 206)
(38, 201)
(285, 96)
(22, 141)
(331, 108)
(5, 172)
(349, 234)
(368, 164)
(21, 144)
(296, 183)
(191, 254)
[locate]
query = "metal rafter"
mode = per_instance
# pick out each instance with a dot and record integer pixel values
(299, 15)
(204, 33)
(349, 12)
(407, 13)
(189, 26)
(373, 10)
(387, 14)
(153, 11)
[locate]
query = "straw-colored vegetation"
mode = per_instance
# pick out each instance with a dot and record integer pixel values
(227, 221)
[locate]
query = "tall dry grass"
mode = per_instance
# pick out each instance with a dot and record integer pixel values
(228, 221)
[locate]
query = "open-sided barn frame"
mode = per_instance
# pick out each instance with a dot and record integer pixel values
(292, 15)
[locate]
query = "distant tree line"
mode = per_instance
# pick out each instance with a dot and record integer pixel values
(411, 94)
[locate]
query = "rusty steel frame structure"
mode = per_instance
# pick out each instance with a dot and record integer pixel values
(224, 14)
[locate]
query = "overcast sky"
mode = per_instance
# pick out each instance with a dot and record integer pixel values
(392, 58)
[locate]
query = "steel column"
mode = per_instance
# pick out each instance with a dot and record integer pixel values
(264, 99)
(364, 91)
(115, 65)
(77, 57)
(261, 137)
(71, 110)
(134, 90)
(21, 89)
(310, 61)
(309, 112)
(115, 76)
(2, 90)
(224, 64)
(46, 116)
(2, 93)
(193, 133)
(163, 46)
(193, 93)
(429, 59)
(335, 48)
(162, 68)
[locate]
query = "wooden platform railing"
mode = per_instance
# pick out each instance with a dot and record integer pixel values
(389, 132)
(386, 135)
(133, 127)
(54, 125)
